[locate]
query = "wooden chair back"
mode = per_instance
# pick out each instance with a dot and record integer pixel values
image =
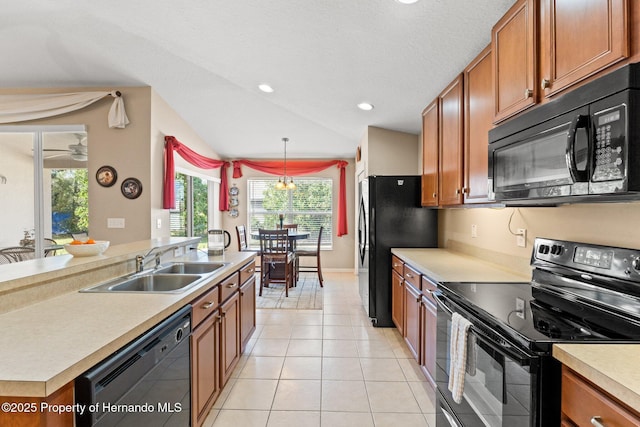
(241, 232)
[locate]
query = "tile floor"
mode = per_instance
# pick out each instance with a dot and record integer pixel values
(322, 368)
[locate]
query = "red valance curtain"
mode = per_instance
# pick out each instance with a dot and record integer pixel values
(303, 167)
(171, 145)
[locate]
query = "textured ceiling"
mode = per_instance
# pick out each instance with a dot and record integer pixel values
(206, 58)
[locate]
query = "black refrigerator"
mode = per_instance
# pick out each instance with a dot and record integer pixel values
(390, 216)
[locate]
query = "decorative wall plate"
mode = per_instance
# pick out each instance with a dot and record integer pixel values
(233, 213)
(131, 188)
(106, 176)
(234, 191)
(233, 201)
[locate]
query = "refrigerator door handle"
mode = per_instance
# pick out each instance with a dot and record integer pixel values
(362, 231)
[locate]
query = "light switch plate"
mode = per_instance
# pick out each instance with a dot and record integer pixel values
(115, 222)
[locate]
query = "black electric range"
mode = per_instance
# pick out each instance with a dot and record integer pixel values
(578, 293)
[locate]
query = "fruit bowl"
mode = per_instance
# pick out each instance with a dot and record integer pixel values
(87, 249)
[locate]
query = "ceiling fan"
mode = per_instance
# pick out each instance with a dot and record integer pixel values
(77, 151)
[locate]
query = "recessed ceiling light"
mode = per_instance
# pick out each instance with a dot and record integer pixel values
(407, 1)
(265, 88)
(365, 106)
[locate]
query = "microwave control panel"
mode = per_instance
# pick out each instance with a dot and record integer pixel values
(609, 155)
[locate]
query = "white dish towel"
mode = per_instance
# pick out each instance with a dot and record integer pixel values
(458, 351)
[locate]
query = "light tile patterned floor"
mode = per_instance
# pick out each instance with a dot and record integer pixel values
(325, 368)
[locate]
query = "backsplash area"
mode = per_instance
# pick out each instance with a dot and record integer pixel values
(611, 224)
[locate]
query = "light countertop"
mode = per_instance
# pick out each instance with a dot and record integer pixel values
(612, 367)
(443, 265)
(47, 344)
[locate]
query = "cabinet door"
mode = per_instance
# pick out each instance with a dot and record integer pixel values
(428, 319)
(580, 39)
(205, 367)
(397, 301)
(514, 49)
(247, 311)
(430, 154)
(478, 119)
(451, 138)
(229, 337)
(412, 299)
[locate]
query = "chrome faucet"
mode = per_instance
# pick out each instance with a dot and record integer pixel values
(140, 259)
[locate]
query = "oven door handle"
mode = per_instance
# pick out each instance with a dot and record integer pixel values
(510, 352)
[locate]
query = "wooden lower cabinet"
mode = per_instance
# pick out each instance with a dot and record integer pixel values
(229, 337)
(247, 311)
(585, 405)
(397, 301)
(428, 321)
(23, 417)
(205, 367)
(412, 297)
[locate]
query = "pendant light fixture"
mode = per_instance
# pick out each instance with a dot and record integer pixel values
(285, 182)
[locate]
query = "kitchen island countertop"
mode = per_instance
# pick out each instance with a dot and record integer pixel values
(47, 344)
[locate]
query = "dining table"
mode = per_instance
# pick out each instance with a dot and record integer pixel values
(293, 237)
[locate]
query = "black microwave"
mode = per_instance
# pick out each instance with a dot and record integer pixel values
(581, 147)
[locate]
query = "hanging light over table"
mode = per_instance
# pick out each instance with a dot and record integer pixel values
(285, 182)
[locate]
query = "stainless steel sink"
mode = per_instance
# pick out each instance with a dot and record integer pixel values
(190, 268)
(149, 283)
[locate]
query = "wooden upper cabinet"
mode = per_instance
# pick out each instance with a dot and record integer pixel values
(514, 47)
(579, 39)
(478, 119)
(430, 154)
(450, 103)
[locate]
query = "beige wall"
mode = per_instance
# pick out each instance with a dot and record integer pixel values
(605, 223)
(341, 257)
(388, 152)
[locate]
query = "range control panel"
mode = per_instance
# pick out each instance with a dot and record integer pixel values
(621, 263)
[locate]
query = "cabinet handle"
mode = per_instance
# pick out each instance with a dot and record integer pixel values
(435, 195)
(409, 276)
(207, 305)
(457, 191)
(419, 299)
(232, 285)
(597, 421)
(250, 270)
(545, 83)
(466, 190)
(528, 93)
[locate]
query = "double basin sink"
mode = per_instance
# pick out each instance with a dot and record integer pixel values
(172, 278)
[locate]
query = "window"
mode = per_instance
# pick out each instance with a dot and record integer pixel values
(310, 206)
(190, 217)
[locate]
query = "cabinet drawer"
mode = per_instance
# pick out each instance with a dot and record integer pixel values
(412, 276)
(581, 402)
(204, 305)
(229, 286)
(428, 288)
(247, 271)
(397, 264)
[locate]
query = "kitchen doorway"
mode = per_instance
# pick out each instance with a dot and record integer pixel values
(44, 186)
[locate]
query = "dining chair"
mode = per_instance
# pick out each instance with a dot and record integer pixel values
(5, 259)
(292, 244)
(50, 242)
(243, 242)
(274, 250)
(312, 253)
(19, 253)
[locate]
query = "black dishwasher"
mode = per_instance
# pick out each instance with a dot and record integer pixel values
(147, 382)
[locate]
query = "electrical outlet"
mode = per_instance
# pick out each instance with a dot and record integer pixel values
(474, 230)
(521, 237)
(520, 308)
(115, 222)
(159, 223)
